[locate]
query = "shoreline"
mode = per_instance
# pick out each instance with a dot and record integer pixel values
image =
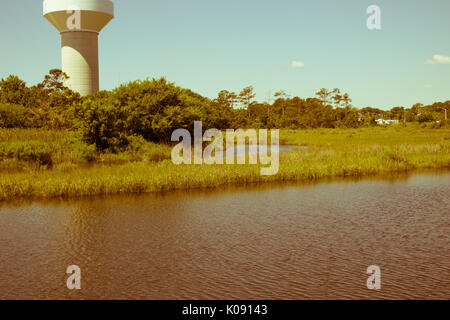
(387, 176)
(42, 186)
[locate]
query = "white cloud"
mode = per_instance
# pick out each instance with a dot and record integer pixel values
(297, 64)
(438, 59)
(428, 86)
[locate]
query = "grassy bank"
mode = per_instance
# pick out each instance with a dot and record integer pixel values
(46, 164)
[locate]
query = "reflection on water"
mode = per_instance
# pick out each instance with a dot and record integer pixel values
(291, 242)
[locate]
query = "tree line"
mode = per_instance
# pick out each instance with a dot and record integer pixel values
(154, 108)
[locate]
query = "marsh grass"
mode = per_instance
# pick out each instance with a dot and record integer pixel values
(28, 150)
(145, 167)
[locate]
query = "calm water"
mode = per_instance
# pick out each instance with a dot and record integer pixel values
(291, 242)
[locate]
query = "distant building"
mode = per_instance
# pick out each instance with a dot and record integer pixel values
(386, 122)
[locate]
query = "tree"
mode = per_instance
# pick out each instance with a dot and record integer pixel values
(397, 113)
(324, 96)
(14, 116)
(281, 97)
(425, 117)
(337, 97)
(346, 103)
(281, 94)
(226, 99)
(259, 114)
(222, 113)
(13, 90)
(54, 81)
(246, 96)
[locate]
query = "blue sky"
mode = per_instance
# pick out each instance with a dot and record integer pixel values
(211, 45)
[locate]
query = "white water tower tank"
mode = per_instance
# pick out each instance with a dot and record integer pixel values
(80, 22)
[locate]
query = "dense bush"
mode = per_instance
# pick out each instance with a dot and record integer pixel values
(43, 153)
(14, 116)
(46, 105)
(15, 91)
(152, 109)
(425, 117)
(30, 151)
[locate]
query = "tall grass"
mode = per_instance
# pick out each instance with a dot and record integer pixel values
(386, 136)
(331, 153)
(26, 150)
(40, 149)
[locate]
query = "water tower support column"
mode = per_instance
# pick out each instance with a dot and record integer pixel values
(80, 60)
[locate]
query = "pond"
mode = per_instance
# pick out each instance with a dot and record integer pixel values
(304, 241)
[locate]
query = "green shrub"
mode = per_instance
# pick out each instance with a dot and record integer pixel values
(13, 90)
(30, 151)
(425, 117)
(48, 153)
(151, 109)
(103, 123)
(13, 165)
(13, 116)
(135, 144)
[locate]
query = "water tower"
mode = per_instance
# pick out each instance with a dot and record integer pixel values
(79, 22)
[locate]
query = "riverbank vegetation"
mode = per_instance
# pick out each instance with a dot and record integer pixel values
(153, 109)
(60, 164)
(54, 143)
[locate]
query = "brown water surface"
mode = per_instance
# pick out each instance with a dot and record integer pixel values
(277, 242)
